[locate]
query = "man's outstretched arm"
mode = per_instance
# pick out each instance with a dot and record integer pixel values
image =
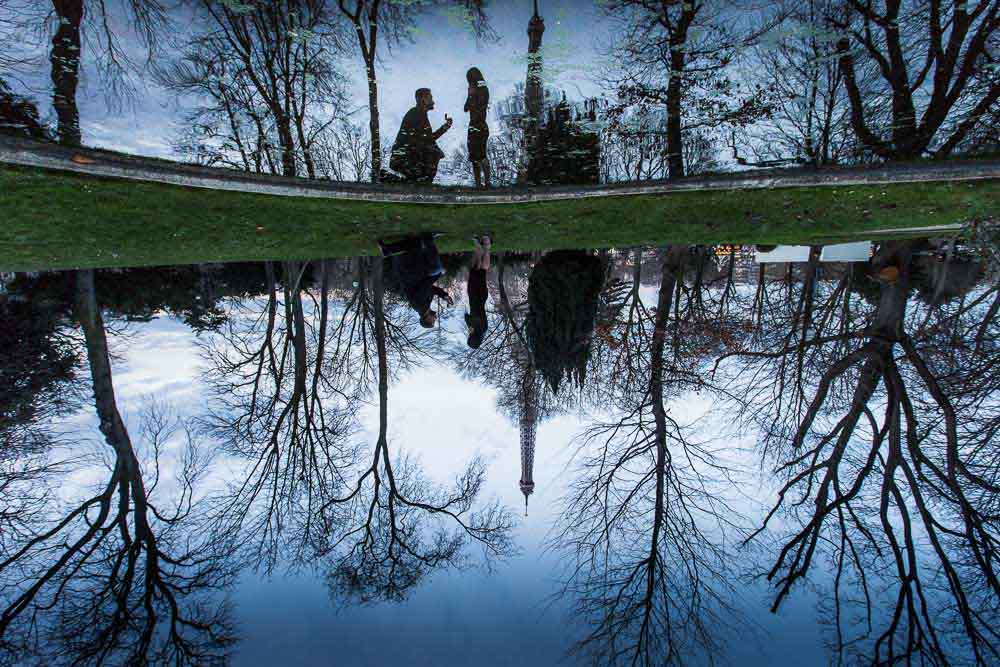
(443, 294)
(444, 128)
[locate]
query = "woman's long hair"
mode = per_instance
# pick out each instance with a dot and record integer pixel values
(474, 76)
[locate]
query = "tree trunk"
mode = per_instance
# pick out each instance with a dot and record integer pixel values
(65, 60)
(307, 157)
(891, 311)
(675, 146)
(675, 91)
(111, 423)
(376, 143)
(378, 290)
(288, 167)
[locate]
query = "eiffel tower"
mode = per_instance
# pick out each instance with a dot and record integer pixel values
(526, 398)
(528, 423)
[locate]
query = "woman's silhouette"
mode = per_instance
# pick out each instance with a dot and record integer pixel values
(477, 104)
(478, 292)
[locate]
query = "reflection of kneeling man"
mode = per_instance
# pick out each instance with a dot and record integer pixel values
(416, 154)
(418, 267)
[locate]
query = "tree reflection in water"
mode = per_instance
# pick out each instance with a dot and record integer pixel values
(117, 577)
(869, 389)
(880, 420)
(290, 379)
(279, 406)
(395, 526)
(645, 526)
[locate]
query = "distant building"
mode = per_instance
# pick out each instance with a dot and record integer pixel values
(559, 142)
(19, 115)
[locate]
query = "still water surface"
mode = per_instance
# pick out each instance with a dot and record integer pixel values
(275, 463)
(675, 454)
(558, 91)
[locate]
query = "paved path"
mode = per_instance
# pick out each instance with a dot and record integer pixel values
(29, 153)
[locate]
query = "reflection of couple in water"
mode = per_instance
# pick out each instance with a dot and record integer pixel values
(416, 155)
(417, 265)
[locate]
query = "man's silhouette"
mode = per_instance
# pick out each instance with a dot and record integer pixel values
(418, 266)
(416, 154)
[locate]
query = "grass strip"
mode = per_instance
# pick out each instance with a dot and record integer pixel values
(57, 220)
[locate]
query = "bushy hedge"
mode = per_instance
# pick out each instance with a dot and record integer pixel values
(562, 297)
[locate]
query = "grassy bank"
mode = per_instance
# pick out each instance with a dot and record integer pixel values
(60, 220)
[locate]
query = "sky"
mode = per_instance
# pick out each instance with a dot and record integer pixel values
(504, 617)
(440, 53)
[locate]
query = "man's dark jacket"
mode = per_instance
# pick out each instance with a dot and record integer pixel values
(415, 149)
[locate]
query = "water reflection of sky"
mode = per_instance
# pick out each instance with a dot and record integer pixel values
(511, 616)
(454, 405)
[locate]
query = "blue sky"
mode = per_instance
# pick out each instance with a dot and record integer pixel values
(438, 56)
(504, 617)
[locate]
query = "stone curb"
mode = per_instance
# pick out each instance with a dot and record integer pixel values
(28, 153)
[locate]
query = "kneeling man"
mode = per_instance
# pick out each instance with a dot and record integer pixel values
(416, 154)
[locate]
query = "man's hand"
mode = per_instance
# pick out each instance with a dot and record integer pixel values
(444, 295)
(444, 128)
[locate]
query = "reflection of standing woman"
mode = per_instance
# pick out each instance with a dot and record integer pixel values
(478, 292)
(476, 104)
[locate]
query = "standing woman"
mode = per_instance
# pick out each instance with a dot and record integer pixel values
(476, 319)
(476, 104)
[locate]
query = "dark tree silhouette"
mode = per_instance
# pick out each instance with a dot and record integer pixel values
(118, 577)
(706, 317)
(562, 303)
(644, 529)
(290, 375)
(65, 57)
(934, 61)
(147, 20)
(19, 115)
(270, 84)
(266, 67)
(395, 526)
(675, 56)
(280, 406)
(881, 451)
(39, 359)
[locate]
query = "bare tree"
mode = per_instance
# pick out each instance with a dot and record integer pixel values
(810, 112)
(645, 526)
(881, 451)
(367, 18)
(395, 526)
(289, 376)
(276, 55)
(935, 67)
(344, 152)
(280, 406)
(675, 56)
(635, 148)
(79, 19)
(232, 126)
(123, 576)
(18, 18)
(65, 59)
